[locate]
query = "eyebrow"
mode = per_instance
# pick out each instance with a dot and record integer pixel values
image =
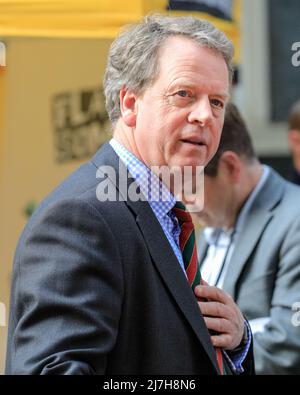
(178, 85)
(225, 95)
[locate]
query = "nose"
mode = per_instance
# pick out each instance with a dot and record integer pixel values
(201, 112)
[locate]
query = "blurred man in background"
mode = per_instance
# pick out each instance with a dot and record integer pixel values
(251, 246)
(294, 142)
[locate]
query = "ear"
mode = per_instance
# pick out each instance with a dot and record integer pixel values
(128, 107)
(293, 138)
(231, 165)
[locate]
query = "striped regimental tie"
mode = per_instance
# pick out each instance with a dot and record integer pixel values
(188, 248)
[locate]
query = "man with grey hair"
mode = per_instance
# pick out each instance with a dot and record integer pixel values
(107, 286)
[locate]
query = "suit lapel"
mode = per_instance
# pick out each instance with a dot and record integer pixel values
(257, 219)
(163, 257)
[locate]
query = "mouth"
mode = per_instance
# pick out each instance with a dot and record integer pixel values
(194, 142)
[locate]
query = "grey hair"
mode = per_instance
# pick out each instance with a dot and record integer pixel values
(133, 56)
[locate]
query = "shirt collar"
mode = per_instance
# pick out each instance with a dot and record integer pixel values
(217, 236)
(155, 192)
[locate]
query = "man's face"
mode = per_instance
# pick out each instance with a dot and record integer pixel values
(219, 197)
(180, 116)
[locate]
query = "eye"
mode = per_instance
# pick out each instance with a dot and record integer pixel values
(182, 93)
(217, 103)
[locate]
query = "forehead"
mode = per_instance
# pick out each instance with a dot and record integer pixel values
(180, 58)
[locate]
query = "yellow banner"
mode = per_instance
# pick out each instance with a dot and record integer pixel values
(94, 18)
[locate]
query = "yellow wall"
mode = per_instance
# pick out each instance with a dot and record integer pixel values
(36, 70)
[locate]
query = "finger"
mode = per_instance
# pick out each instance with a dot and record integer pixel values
(223, 341)
(215, 309)
(218, 325)
(212, 293)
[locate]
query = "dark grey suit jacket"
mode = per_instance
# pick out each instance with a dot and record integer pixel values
(264, 274)
(97, 289)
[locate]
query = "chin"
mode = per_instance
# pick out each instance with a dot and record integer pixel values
(191, 162)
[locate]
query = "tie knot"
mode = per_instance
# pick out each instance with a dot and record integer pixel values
(181, 213)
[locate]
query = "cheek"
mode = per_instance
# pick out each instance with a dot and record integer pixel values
(219, 123)
(217, 132)
(168, 136)
(215, 136)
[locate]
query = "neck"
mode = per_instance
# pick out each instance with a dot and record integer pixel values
(125, 136)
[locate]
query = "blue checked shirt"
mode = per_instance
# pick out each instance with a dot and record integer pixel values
(162, 202)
